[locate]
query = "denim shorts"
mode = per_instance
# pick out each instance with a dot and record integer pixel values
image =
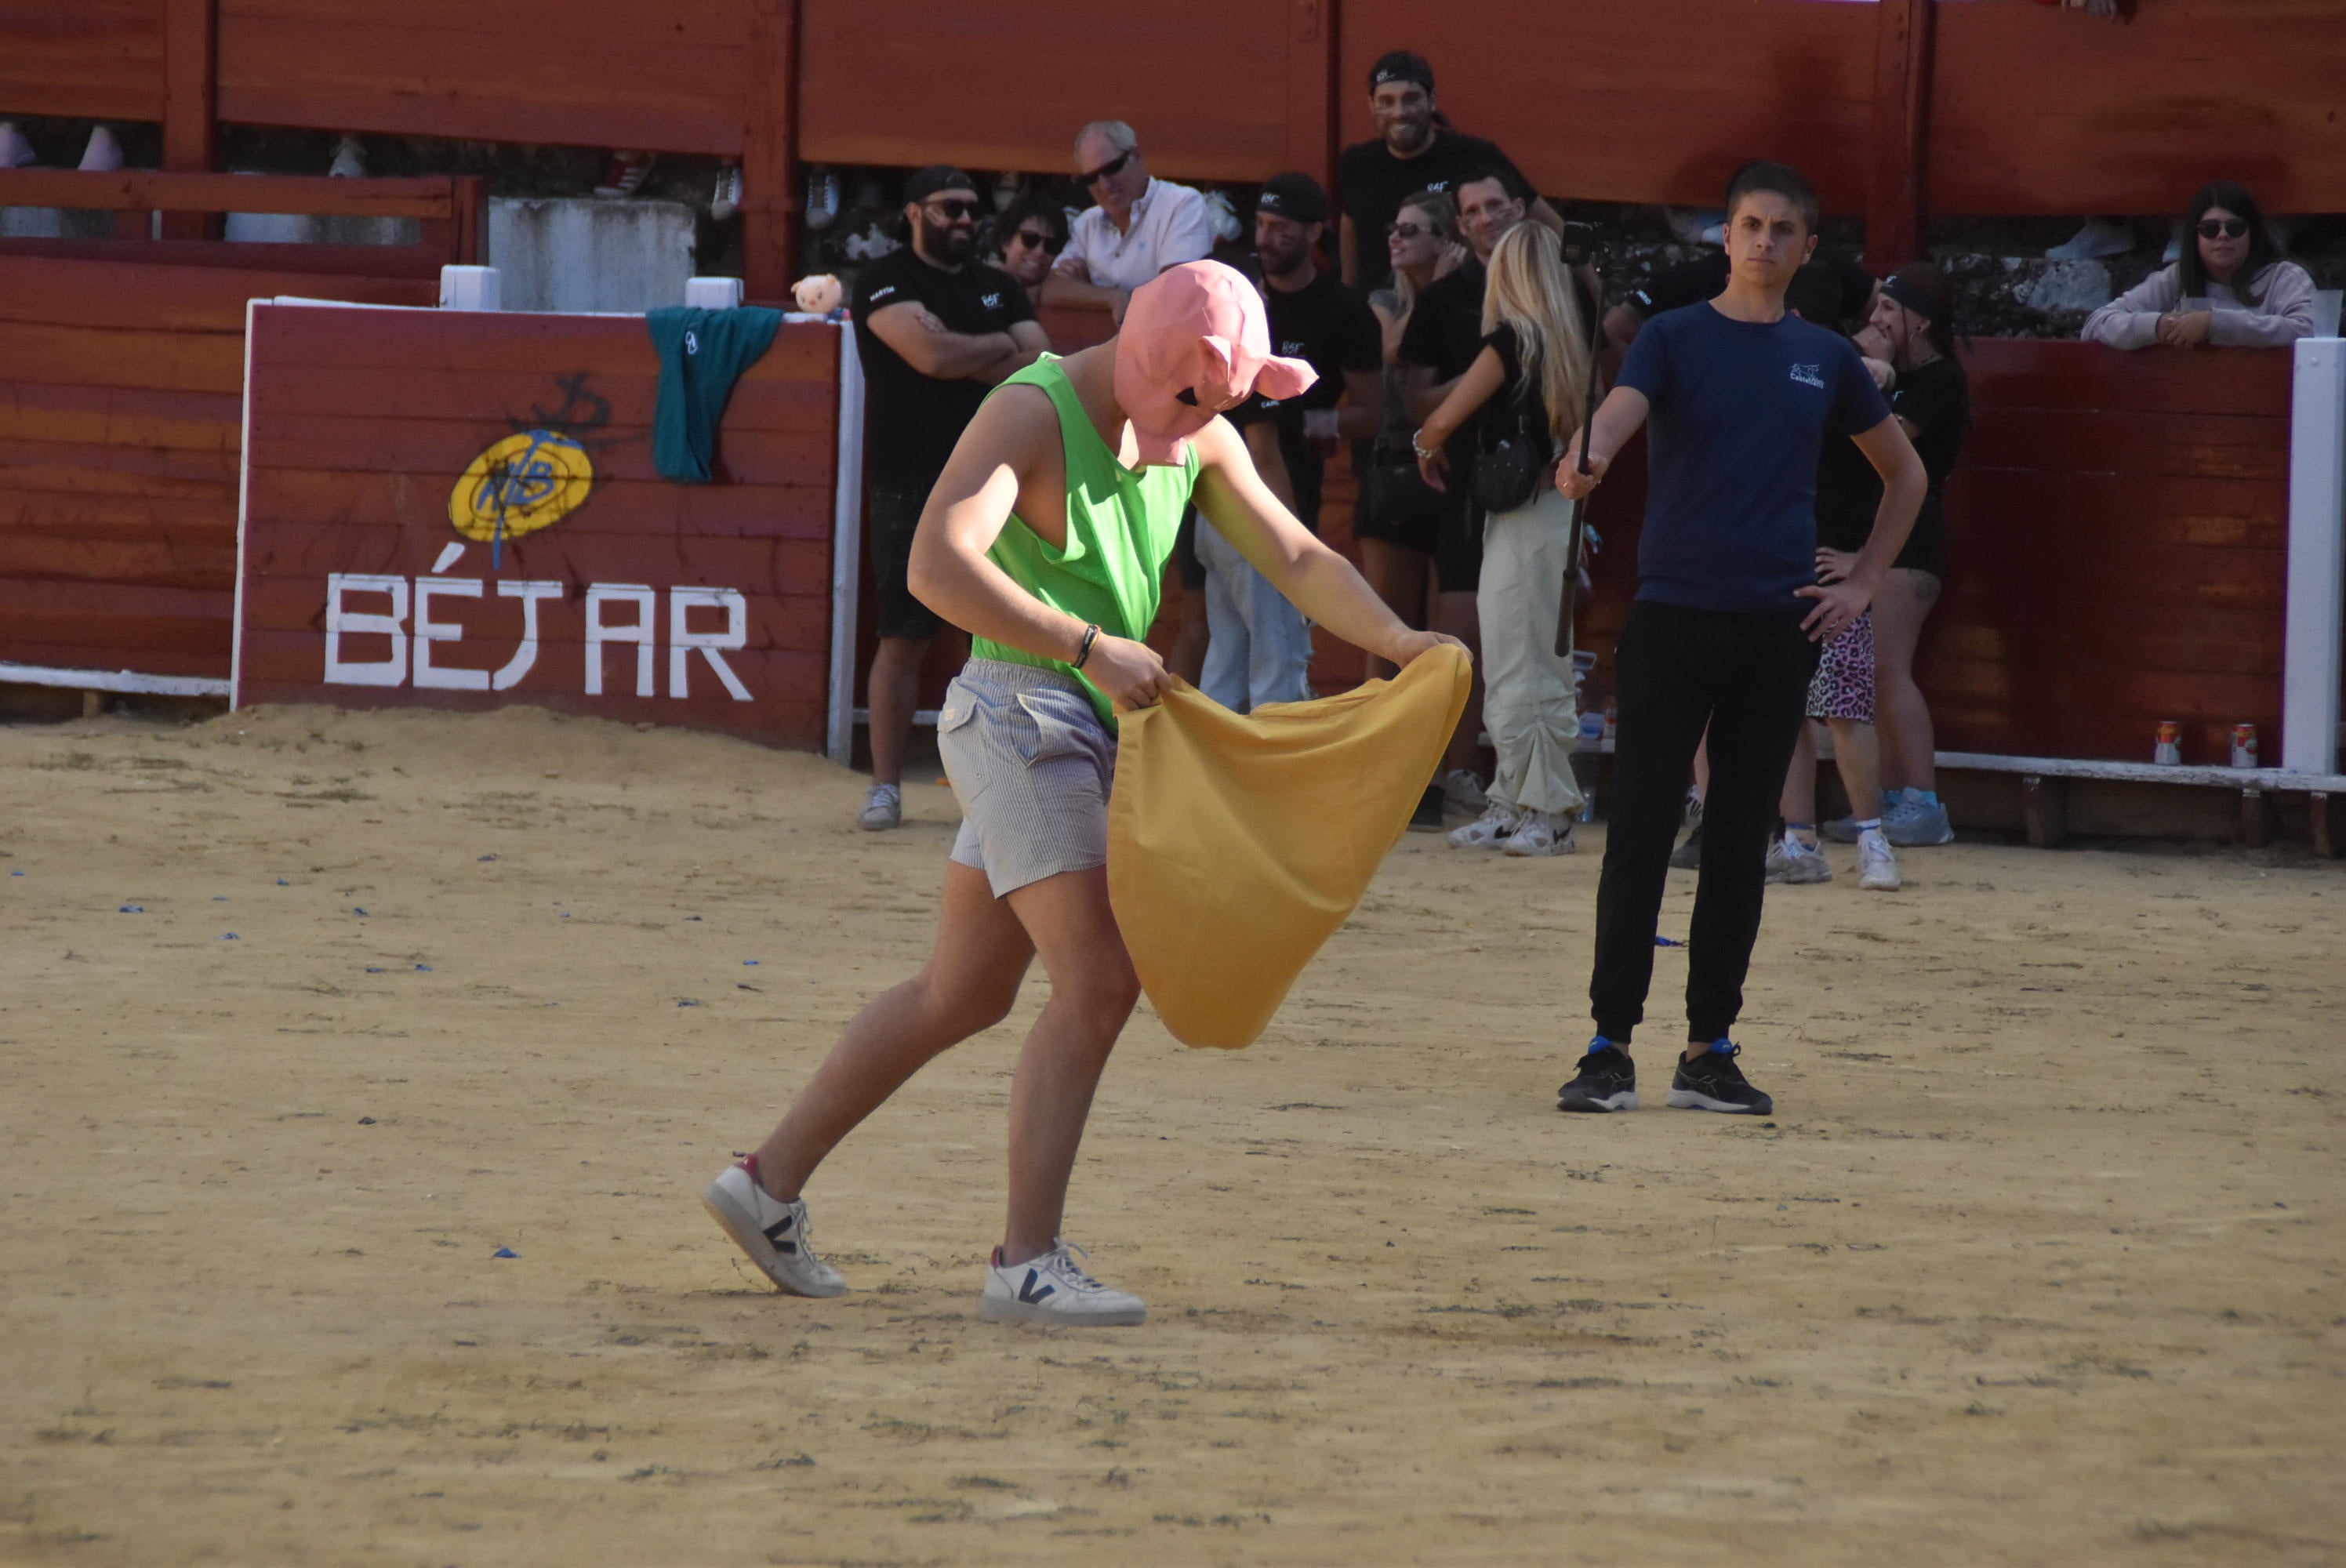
(1032, 764)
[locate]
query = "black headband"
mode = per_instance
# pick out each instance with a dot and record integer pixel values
(1937, 311)
(1400, 71)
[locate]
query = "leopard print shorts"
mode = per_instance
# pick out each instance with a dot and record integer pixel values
(1844, 683)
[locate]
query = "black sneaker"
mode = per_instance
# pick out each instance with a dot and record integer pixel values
(1427, 819)
(1713, 1082)
(1687, 856)
(1607, 1082)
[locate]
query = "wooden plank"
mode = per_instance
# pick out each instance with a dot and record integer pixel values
(1893, 205)
(415, 266)
(117, 641)
(795, 625)
(551, 344)
(593, 407)
(530, 71)
(94, 59)
(152, 190)
(45, 411)
(196, 520)
(653, 509)
(162, 361)
(2246, 87)
(190, 118)
(769, 167)
(855, 57)
(119, 471)
(1736, 81)
(2037, 374)
(286, 565)
(447, 447)
(797, 725)
(28, 557)
(2212, 446)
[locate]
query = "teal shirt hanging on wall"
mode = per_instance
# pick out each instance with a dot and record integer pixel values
(702, 353)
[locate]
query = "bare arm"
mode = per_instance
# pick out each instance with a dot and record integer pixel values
(967, 509)
(1261, 438)
(1030, 343)
(1421, 394)
(1064, 291)
(1363, 410)
(1617, 419)
(933, 352)
(1546, 216)
(1316, 580)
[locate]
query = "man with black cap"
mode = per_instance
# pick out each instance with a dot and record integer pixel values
(1260, 646)
(1415, 151)
(936, 329)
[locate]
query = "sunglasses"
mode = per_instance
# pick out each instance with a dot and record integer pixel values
(1409, 230)
(954, 208)
(1114, 165)
(1035, 240)
(2222, 227)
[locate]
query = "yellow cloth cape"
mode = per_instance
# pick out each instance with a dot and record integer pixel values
(1238, 844)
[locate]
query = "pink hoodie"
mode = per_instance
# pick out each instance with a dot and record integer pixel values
(2280, 312)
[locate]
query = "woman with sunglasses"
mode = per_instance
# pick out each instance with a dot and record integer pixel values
(1029, 235)
(2229, 290)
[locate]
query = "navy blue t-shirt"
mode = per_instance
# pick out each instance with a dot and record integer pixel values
(1739, 410)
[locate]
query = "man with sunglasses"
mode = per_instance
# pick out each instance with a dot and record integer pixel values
(1136, 227)
(935, 330)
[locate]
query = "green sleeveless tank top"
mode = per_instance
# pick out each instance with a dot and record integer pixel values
(1120, 531)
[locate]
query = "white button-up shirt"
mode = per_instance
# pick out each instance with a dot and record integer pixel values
(1170, 225)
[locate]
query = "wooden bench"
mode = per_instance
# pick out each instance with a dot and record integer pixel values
(2044, 791)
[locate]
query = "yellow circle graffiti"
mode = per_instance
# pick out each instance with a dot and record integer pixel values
(521, 484)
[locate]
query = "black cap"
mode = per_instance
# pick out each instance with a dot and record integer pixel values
(1401, 65)
(1297, 197)
(937, 176)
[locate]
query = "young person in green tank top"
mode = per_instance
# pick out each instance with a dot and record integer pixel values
(1046, 538)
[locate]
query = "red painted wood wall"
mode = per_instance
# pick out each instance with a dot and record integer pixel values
(120, 401)
(362, 422)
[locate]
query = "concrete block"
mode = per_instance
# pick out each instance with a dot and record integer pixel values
(585, 254)
(471, 289)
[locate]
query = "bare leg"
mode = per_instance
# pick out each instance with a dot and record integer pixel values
(1702, 768)
(1093, 989)
(1456, 614)
(1398, 575)
(1798, 801)
(968, 984)
(1909, 744)
(1857, 752)
(895, 692)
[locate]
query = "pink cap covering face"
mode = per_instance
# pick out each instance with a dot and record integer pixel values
(1195, 340)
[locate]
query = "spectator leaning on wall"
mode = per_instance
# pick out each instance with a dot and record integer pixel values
(2231, 289)
(1029, 235)
(935, 330)
(1138, 227)
(1413, 152)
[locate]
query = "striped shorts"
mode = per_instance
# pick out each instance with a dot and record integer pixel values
(1032, 764)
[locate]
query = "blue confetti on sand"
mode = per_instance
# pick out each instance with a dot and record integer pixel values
(505, 1252)
(486, 858)
(424, 968)
(283, 883)
(1667, 941)
(220, 898)
(687, 1002)
(374, 969)
(16, 874)
(750, 964)
(132, 909)
(230, 936)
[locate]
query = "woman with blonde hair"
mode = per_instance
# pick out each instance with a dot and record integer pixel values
(1524, 393)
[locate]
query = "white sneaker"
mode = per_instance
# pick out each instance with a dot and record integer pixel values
(1498, 821)
(1540, 833)
(2098, 240)
(1462, 791)
(726, 200)
(1877, 866)
(16, 152)
(1054, 1289)
(1791, 861)
(771, 1232)
(348, 161)
(104, 153)
(883, 808)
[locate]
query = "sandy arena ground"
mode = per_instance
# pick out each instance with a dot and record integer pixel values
(2039, 1263)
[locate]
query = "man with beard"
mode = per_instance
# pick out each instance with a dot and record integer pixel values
(1415, 149)
(1260, 648)
(936, 330)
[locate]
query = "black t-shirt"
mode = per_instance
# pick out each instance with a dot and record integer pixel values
(1705, 278)
(1517, 405)
(1936, 398)
(1331, 330)
(1372, 183)
(1445, 332)
(914, 420)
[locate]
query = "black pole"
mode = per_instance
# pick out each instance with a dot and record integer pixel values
(1576, 534)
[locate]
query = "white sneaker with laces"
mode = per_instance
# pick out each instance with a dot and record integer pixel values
(1877, 865)
(1463, 791)
(1540, 833)
(16, 152)
(104, 153)
(348, 161)
(1054, 1289)
(1497, 822)
(727, 199)
(772, 1233)
(883, 808)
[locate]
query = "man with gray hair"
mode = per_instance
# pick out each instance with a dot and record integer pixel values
(1137, 228)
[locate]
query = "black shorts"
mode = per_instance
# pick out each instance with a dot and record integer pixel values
(1185, 552)
(891, 514)
(1926, 549)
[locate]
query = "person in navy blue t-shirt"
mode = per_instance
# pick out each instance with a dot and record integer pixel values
(1736, 395)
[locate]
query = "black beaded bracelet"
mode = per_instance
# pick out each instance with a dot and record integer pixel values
(1091, 635)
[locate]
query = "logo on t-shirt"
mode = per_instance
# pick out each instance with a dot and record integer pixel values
(1291, 347)
(991, 301)
(883, 292)
(692, 342)
(1810, 376)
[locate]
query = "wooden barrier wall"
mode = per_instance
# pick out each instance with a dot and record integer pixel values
(363, 424)
(120, 405)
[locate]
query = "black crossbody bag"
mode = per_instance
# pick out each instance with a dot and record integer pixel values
(1507, 473)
